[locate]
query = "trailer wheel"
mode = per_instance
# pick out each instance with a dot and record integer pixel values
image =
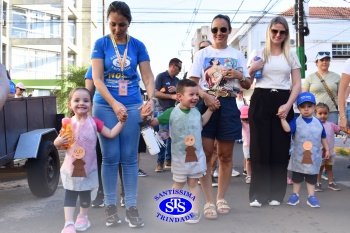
(44, 171)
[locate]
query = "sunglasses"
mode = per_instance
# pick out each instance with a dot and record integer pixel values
(21, 89)
(215, 30)
(324, 53)
(178, 67)
(282, 32)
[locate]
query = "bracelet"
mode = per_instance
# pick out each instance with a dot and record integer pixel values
(153, 98)
(343, 116)
(242, 79)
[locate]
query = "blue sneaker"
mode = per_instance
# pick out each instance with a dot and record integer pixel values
(313, 202)
(195, 219)
(324, 176)
(293, 199)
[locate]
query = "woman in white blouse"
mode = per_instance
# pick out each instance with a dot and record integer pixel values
(272, 99)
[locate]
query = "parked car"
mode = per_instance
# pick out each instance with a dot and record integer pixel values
(27, 132)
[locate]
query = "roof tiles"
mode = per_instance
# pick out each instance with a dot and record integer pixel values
(323, 12)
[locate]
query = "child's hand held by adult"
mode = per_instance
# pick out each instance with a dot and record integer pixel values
(212, 102)
(283, 111)
(120, 111)
(144, 111)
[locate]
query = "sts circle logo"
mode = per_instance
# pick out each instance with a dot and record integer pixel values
(174, 205)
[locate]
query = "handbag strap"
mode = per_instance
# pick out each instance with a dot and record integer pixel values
(327, 89)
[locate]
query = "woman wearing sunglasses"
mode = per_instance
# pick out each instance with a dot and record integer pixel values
(324, 84)
(272, 99)
(224, 125)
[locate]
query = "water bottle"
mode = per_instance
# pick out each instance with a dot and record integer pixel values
(67, 130)
(150, 140)
(258, 74)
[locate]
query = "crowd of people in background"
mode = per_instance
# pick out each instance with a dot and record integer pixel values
(200, 117)
(210, 100)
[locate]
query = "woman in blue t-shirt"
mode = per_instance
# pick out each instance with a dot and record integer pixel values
(115, 59)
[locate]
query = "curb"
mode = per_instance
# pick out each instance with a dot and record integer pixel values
(342, 150)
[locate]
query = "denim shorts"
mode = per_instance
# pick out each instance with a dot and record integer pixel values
(225, 123)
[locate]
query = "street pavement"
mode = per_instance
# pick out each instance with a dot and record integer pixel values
(22, 212)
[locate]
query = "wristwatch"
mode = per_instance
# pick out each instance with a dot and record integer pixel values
(154, 99)
(242, 79)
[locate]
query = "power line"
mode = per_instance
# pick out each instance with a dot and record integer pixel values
(321, 21)
(188, 31)
(262, 16)
(237, 11)
(328, 38)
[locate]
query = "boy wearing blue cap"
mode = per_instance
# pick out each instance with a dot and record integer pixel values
(308, 135)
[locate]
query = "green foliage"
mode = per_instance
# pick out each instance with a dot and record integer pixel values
(75, 77)
(343, 152)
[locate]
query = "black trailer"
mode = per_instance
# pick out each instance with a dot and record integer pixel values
(27, 132)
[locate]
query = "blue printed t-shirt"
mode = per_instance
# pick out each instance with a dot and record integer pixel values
(88, 74)
(164, 118)
(293, 126)
(137, 53)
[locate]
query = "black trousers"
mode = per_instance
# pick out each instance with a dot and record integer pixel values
(269, 146)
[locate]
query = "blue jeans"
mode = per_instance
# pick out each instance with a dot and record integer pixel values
(121, 149)
(165, 152)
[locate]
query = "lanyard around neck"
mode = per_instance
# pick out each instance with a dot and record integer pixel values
(121, 63)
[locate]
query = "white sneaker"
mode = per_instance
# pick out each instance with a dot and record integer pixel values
(216, 173)
(247, 180)
(274, 203)
(255, 203)
(235, 173)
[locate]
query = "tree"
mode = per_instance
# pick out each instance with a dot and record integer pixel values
(75, 77)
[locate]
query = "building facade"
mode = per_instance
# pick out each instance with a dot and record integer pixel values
(41, 38)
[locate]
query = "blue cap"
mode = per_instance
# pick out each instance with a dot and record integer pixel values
(306, 97)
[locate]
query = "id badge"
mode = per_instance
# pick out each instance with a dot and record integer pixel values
(123, 87)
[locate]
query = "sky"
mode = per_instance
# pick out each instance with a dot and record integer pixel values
(167, 27)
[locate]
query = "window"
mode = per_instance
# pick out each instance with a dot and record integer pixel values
(341, 50)
(19, 27)
(35, 64)
(262, 44)
(71, 31)
(71, 59)
(35, 24)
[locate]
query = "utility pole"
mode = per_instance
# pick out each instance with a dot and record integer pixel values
(299, 18)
